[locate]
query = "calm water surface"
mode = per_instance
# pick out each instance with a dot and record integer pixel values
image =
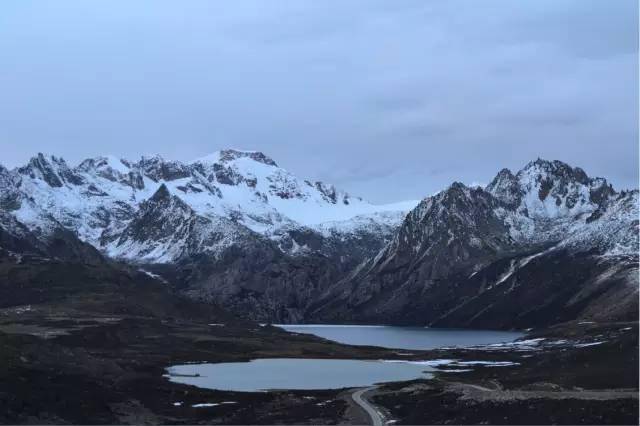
(404, 337)
(284, 373)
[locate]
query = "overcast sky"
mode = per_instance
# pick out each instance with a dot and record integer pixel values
(388, 99)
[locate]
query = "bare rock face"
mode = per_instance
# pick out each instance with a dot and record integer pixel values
(455, 227)
(9, 190)
(226, 175)
(506, 188)
(54, 171)
(228, 155)
(156, 169)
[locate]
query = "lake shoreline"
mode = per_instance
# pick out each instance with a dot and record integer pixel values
(123, 372)
(406, 338)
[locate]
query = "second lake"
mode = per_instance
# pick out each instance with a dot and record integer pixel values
(403, 337)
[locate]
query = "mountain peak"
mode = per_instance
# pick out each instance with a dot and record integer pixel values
(505, 187)
(456, 189)
(53, 170)
(227, 155)
(456, 185)
(105, 162)
(504, 174)
(161, 194)
(558, 169)
(151, 158)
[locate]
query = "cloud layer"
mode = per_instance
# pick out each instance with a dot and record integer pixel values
(387, 99)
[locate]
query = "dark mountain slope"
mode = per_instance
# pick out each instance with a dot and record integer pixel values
(546, 245)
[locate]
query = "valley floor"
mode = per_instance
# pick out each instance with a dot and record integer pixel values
(65, 366)
(557, 381)
(81, 370)
(93, 344)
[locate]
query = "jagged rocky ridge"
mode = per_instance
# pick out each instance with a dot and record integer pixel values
(543, 245)
(100, 197)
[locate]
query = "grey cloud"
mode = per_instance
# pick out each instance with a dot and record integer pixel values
(389, 100)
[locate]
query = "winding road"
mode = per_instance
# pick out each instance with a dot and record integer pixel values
(377, 419)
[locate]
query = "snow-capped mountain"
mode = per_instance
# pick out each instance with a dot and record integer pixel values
(542, 245)
(102, 198)
(232, 227)
(508, 254)
(547, 200)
